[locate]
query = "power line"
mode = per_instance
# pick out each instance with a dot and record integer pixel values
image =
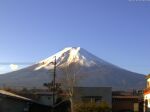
(18, 63)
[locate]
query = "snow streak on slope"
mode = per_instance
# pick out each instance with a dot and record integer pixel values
(68, 55)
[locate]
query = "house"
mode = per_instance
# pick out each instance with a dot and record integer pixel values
(147, 95)
(10, 102)
(45, 97)
(93, 94)
(127, 101)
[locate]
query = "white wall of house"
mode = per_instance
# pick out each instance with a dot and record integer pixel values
(46, 100)
(147, 96)
(148, 82)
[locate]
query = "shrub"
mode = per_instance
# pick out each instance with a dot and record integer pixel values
(91, 107)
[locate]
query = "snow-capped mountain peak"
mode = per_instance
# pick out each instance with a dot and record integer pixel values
(68, 55)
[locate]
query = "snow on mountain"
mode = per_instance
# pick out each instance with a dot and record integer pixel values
(89, 71)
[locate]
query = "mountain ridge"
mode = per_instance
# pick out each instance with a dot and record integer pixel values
(90, 70)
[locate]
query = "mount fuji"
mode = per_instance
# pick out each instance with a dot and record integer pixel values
(80, 66)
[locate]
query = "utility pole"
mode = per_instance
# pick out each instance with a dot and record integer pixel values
(54, 81)
(53, 86)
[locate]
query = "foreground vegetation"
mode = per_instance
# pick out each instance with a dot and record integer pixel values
(91, 107)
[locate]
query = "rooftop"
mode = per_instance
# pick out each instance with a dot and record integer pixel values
(148, 76)
(13, 95)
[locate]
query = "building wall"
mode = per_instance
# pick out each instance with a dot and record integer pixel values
(40, 108)
(46, 100)
(148, 82)
(11, 105)
(90, 92)
(121, 104)
(118, 106)
(147, 96)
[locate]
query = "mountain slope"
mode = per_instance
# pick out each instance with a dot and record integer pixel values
(87, 69)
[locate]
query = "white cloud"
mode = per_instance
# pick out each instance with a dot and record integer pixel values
(13, 67)
(2, 68)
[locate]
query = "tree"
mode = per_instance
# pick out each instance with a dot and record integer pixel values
(69, 75)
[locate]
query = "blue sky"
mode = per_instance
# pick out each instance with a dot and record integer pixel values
(117, 31)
